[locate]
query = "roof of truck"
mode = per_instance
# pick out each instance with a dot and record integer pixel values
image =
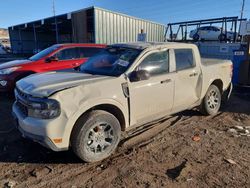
(80, 45)
(144, 45)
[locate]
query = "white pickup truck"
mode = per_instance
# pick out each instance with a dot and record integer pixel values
(126, 85)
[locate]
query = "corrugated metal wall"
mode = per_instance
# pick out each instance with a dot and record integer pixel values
(111, 27)
(79, 25)
(90, 25)
(83, 26)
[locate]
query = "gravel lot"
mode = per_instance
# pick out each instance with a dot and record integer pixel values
(187, 150)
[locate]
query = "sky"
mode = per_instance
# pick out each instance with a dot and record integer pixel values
(14, 12)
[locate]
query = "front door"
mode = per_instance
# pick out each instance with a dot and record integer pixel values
(153, 98)
(68, 58)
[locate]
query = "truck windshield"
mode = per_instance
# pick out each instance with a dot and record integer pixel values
(113, 61)
(43, 53)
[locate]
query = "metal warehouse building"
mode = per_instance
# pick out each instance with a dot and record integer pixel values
(90, 25)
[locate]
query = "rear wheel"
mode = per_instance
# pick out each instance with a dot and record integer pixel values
(222, 37)
(196, 37)
(212, 101)
(96, 136)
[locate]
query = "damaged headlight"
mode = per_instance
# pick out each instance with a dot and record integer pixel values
(44, 109)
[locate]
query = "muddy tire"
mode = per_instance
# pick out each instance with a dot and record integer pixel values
(95, 136)
(211, 102)
(196, 37)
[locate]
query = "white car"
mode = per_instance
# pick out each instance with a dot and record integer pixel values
(211, 33)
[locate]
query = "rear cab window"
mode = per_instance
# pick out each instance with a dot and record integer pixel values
(184, 59)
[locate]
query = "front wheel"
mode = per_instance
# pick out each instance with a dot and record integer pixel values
(96, 136)
(212, 101)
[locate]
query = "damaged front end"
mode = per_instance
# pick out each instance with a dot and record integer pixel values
(42, 108)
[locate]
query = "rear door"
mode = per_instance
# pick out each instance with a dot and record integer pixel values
(215, 34)
(203, 33)
(187, 79)
(210, 33)
(153, 98)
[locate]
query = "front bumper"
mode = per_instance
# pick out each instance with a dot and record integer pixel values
(44, 141)
(40, 131)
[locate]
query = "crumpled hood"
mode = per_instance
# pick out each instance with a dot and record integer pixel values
(14, 63)
(46, 84)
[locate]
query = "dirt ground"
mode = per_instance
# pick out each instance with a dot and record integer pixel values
(165, 155)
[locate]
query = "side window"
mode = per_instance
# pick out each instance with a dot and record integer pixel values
(203, 28)
(213, 28)
(216, 29)
(207, 28)
(156, 63)
(184, 59)
(67, 54)
(210, 28)
(85, 52)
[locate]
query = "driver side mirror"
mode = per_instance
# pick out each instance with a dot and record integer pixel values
(51, 59)
(139, 75)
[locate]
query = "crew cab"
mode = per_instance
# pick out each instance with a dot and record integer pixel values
(126, 85)
(56, 57)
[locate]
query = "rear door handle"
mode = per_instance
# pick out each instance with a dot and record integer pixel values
(75, 64)
(165, 81)
(193, 74)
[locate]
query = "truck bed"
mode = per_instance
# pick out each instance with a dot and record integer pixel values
(210, 61)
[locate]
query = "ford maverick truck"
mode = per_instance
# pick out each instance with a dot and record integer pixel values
(123, 86)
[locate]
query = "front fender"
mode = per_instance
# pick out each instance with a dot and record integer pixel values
(86, 106)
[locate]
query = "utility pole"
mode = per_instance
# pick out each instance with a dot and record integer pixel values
(242, 9)
(241, 15)
(54, 13)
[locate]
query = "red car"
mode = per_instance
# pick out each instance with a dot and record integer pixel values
(56, 57)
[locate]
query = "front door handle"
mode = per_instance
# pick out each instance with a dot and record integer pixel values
(193, 74)
(165, 81)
